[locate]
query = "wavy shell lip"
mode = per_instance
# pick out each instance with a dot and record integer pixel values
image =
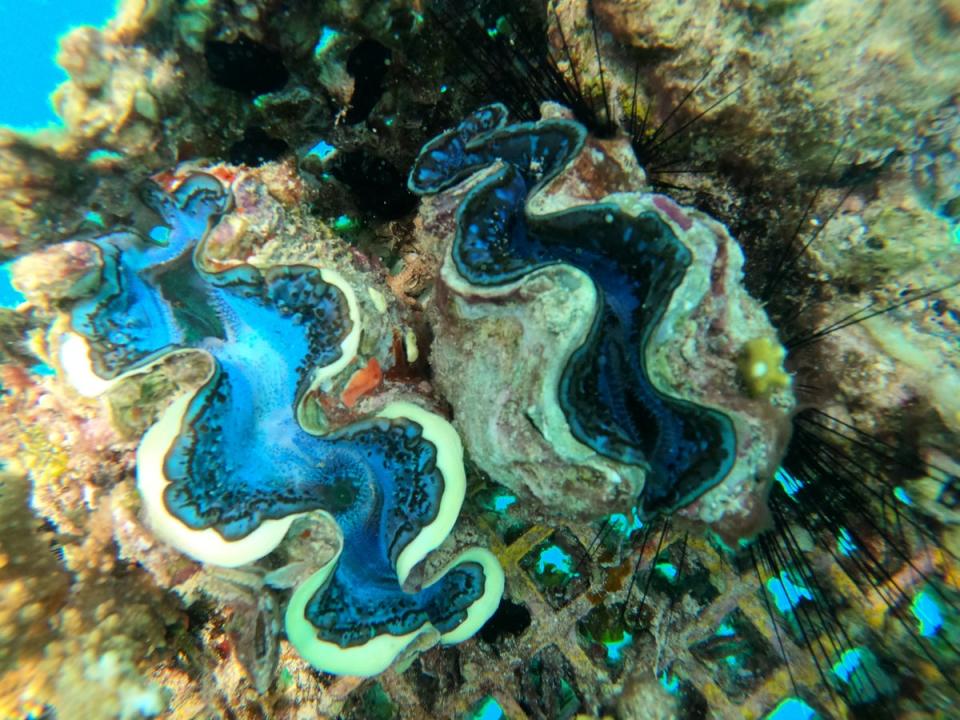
(518, 337)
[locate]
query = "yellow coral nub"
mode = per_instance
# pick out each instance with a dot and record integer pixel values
(761, 366)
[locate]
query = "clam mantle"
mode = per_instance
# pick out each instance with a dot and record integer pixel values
(231, 464)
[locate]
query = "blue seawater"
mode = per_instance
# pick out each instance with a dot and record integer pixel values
(30, 31)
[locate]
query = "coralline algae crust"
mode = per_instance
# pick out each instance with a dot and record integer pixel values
(503, 349)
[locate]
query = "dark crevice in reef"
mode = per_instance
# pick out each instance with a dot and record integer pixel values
(548, 686)
(367, 64)
(246, 66)
(510, 619)
(256, 148)
(498, 52)
(200, 612)
(377, 187)
(858, 174)
(369, 703)
(436, 674)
